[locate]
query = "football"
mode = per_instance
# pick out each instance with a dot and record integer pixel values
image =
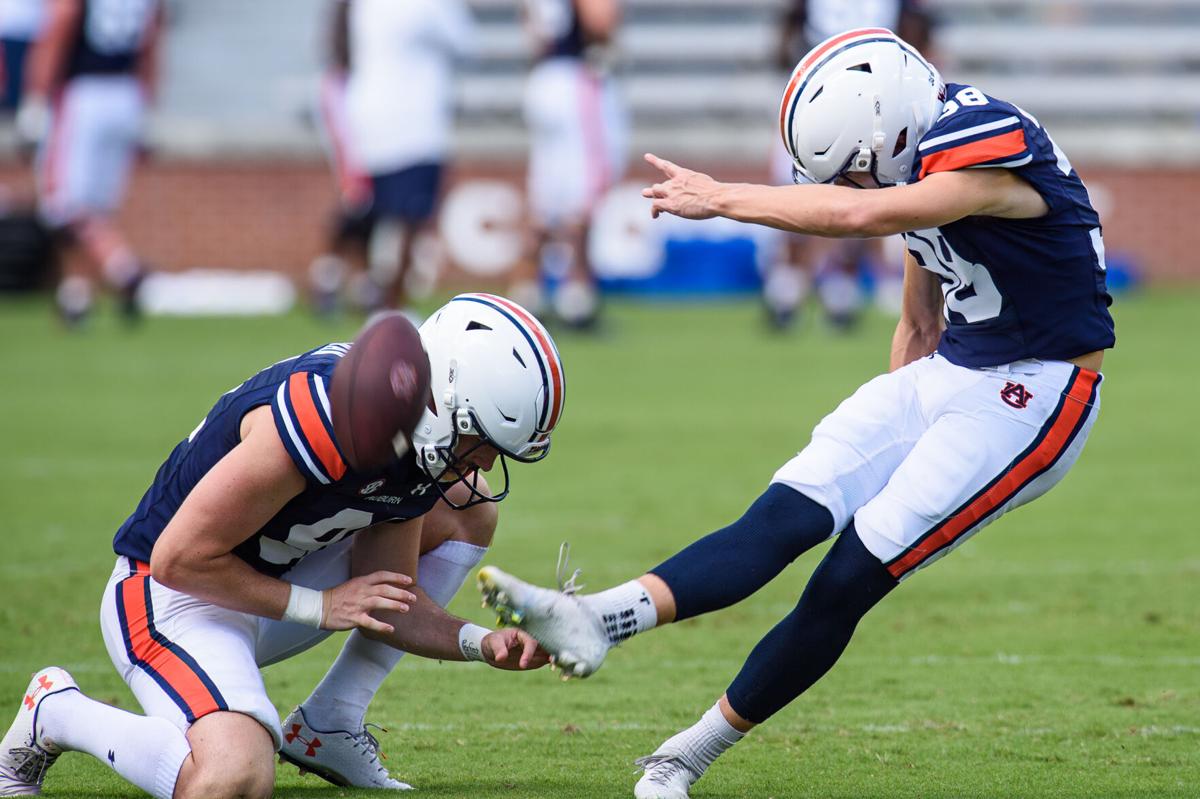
(379, 391)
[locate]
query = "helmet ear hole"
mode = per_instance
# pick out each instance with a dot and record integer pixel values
(873, 87)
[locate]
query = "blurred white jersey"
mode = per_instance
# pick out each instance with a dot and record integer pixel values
(825, 18)
(578, 132)
(21, 19)
(399, 99)
(554, 26)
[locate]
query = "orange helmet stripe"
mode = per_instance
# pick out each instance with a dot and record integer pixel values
(810, 59)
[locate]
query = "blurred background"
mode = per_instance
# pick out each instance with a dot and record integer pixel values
(237, 170)
(286, 159)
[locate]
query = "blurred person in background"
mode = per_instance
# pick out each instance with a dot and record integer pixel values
(577, 136)
(350, 230)
(399, 113)
(20, 26)
(831, 266)
(89, 81)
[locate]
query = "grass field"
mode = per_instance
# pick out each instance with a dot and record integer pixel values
(1055, 655)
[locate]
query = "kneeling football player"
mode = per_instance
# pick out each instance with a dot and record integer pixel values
(260, 536)
(993, 390)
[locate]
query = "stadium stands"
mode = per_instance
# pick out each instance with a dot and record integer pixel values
(1117, 80)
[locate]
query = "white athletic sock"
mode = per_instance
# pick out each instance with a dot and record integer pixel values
(74, 295)
(146, 750)
(626, 610)
(702, 743)
(339, 702)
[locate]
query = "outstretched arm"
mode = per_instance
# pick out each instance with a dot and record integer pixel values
(841, 212)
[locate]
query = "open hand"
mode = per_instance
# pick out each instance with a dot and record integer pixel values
(684, 193)
(352, 603)
(513, 650)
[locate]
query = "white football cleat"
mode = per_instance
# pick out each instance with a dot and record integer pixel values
(565, 627)
(348, 759)
(667, 777)
(26, 754)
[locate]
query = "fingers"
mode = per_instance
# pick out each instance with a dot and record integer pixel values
(663, 165)
(352, 604)
(499, 650)
(381, 603)
(389, 578)
(657, 191)
(366, 621)
(531, 647)
(397, 594)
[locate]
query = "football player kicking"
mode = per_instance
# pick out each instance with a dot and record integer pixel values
(258, 537)
(993, 389)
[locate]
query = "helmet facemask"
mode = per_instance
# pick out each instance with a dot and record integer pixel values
(446, 460)
(437, 461)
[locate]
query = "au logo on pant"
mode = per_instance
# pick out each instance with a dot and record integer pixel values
(1015, 394)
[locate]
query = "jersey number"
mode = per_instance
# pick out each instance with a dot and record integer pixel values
(305, 538)
(968, 96)
(967, 287)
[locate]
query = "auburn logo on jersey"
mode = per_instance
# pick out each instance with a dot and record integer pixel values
(1015, 394)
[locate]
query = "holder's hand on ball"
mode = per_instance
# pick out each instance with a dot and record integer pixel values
(685, 193)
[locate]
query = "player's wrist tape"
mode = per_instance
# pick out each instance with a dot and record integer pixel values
(470, 641)
(305, 606)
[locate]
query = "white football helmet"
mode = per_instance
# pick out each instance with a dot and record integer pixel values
(859, 102)
(494, 373)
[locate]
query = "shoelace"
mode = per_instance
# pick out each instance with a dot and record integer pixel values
(369, 742)
(670, 766)
(568, 585)
(32, 763)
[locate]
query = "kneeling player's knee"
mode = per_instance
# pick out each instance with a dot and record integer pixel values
(233, 757)
(220, 782)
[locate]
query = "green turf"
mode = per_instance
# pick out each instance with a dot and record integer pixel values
(1055, 655)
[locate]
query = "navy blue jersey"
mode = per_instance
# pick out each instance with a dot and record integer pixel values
(111, 36)
(1013, 288)
(336, 502)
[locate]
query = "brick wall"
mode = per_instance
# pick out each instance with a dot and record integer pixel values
(265, 215)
